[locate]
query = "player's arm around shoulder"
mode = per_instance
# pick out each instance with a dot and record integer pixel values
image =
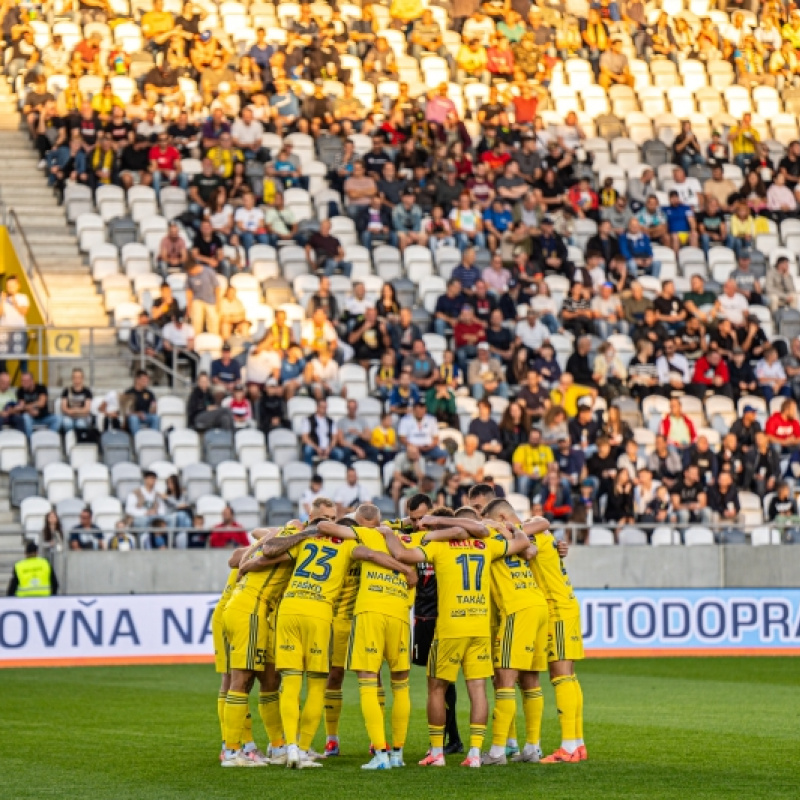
(398, 551)
(363, 553)
(519, 543)
(536, 525)
(339, 531)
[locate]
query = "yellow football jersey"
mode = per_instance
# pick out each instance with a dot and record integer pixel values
(320, 569)
(381, 590)
(464, 584)
(230, 585)
(259, 592)
(346, 601)
(551, 575)
(514, 586)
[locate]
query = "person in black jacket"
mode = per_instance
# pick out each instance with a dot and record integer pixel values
(374, 224)
(603, 243)
(202, 410)
(762, 468)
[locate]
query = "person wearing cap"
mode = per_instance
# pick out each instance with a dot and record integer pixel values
(485, 374)
(33, 576)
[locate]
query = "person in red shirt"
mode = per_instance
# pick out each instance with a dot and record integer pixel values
(782, 428)
(525, 105)
(584, 200)
(497, 157)
(228, 533)
(165, 161)
(711, 376)
(468, 334)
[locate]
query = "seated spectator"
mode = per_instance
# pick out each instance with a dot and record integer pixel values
(178, 343)
(710, 376)
(404, 395)
(681, 223)
(486, 375)
(609, 373)
(578, 363)
(173, 256)
(487, 430)
(576, 312)
(614, 67)
(374, 223)
(349, 496)
(782, 428)
(677, 428)
(86, 535)
(421, 429)
(318, 334)
(780, 289)
(467, 334)
(440, 402)
(145, 504)
(407, 221)
(607, 312)
(203, 411)
(383, 440)
(226, 371)
(228, 533)
(141, 405)
(122, 541)
(555, 497)
(318, 435)
(240, 408)
(31, 405)
(324, 252)
(619, 505)
(783, 513)
(690, 500)
(472, 62)
(772, 376)
(673, 370)
(744, 228)
(409, 471)
(352, 436)
(74, 410)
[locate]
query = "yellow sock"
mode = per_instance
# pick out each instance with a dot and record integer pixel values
(477, 733)
(236, 710)
(247, 728)
(578, 710)
(373, 712)
(533, 706)
(436, 734)
(401, 712)
(505, 709)
(512, 728)
(566, 704)
(269, 707)
(333, 711)
(291, 686)
(382, 698)
(312, 710)
(221, 697)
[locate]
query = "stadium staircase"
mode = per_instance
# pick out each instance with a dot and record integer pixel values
(74, 301)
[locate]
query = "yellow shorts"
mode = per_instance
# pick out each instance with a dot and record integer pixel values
(472, 654)
(683, 237)
(222, 657)
(521, 640)
(377, 638)
(341, 637)
(565, 640)
(302, 643)
(247, 636)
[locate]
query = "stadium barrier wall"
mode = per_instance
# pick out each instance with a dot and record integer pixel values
(174, 629)
(730, 566)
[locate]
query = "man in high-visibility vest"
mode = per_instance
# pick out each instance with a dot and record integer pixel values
(33, 576)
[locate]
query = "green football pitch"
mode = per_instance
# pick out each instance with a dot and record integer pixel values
(682, 728)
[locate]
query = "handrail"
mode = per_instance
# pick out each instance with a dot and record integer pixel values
(29, 264)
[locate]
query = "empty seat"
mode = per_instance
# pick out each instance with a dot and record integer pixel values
(24, 482)
(250, 447)
(232, 479)
(246, 511)
(116, 447)
(59, 481)
(13, 450)
(198, 480)
(265, 481)
(218, 446)
(94, 481)
(149, 446)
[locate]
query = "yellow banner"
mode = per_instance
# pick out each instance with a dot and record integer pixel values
(63, 343)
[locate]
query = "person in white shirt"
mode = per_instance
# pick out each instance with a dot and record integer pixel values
(318, 333)
(732, 305)
(356, 304)
(309, 496)
(351, 495)
(247, 134)
(531, 332)
(689, 190)
(262, 360)
(145, 505)
(673, 368)
(478, 26)
(772, 376)
(249, 223)
(178, 338)
(321, 375)
(421, 429)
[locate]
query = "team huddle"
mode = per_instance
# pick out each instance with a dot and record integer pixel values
(490, 597)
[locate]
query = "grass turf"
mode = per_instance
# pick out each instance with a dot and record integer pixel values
(698, 728)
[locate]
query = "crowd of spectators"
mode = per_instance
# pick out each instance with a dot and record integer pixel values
(585, 362)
